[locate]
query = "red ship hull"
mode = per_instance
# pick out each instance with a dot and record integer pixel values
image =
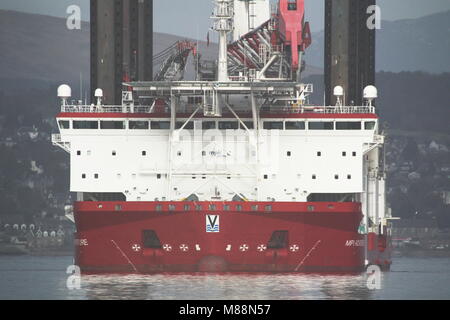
(152, 237)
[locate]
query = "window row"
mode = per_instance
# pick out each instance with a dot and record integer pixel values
(344, 153)
(266, 177)
(221, 125)
(113, 153)
(319, 125)
(213, 207)
(319, 153)
(336, 177)
(179, 153)
(84, 176)
(153, 125)
(314, 176)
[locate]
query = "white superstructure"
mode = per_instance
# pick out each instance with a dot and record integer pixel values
(216, 164)
(291, 153)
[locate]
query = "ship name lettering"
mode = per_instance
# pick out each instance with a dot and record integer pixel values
(355, 243)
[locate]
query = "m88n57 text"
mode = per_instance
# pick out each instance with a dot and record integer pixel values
(244, 309)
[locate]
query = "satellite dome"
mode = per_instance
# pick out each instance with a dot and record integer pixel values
(338, 91)
(370, 92)
(64, 91)
(98, 93)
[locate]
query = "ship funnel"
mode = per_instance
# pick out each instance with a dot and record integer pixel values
(99, 95)
(64, 92)
(370, 93)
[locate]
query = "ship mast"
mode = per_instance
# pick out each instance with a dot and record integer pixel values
(223, 24)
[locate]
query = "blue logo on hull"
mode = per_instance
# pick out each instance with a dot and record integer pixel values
(212, 224)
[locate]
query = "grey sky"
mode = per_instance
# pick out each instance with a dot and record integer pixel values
(190, 18)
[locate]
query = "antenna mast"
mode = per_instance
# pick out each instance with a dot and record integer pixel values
(223, 24)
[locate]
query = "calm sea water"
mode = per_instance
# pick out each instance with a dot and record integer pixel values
(27, 277)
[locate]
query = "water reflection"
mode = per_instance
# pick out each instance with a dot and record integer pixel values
(224, 287)
(32, 277)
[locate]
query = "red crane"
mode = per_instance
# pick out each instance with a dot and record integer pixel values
(286, 35)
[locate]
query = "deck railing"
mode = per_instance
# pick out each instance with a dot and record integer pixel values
(191, 107)
(104, 109)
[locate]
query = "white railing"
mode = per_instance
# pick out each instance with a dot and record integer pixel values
(379, 139)
(308, 88)
(57, 141)
(56, 138)
(287, 109)
(104, 109)
(324, 110)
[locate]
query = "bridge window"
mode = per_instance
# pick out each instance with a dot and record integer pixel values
(228, 125)
(63, 124)
(226, 207)
(85, 124)
(207, 125)
(349, 176)
(139, 125)
(188, 126)
(212, 207)
(319, 154)
(248, 124)
(292, 5)
(369, 125)
(96, 176)
(295, 125)
(321, 125)
(112, 125)
(273, 125)
(160, 125)
(348, 125)
(195, 100)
